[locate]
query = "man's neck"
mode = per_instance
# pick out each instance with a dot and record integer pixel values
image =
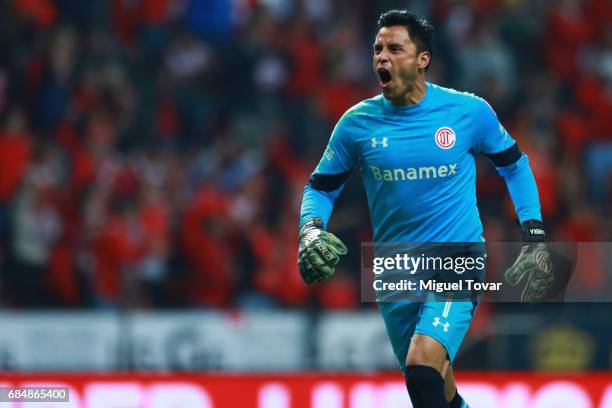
(414, 95)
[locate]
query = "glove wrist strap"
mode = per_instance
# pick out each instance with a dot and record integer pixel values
(533, 231)
(312, 223)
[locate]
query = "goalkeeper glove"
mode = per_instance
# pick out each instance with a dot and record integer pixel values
(319, 252)
(534, 261)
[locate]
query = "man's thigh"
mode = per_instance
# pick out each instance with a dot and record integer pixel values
(446, 322)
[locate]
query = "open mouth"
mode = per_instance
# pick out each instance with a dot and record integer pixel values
(384, 75)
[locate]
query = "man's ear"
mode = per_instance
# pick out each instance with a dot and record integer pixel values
(423, 59)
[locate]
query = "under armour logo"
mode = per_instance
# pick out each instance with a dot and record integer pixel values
(437, 323)
(375, 142)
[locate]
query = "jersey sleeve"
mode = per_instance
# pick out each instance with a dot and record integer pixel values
(330, 175)
(511, 163)
(490, 137)
(338, 156)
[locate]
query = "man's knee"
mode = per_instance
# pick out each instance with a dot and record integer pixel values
(426, 351)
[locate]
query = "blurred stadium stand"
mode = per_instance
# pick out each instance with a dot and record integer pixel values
(153, 155)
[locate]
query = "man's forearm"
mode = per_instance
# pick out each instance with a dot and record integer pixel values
(317, 204)
(523, 189)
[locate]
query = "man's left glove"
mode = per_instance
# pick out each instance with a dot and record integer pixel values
(534, 261)
(319, 252)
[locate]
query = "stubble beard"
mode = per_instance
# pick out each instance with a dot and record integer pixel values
(398, 94)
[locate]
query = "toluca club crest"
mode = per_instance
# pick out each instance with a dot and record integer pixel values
(445, 138)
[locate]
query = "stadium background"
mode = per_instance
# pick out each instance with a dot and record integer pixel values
(152, 159)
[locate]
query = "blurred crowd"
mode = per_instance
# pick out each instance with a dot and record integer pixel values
(153, 152)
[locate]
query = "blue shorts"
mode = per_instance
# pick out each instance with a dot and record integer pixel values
(446, 322)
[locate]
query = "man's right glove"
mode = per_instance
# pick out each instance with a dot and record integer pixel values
(534, 261)
(319, 252)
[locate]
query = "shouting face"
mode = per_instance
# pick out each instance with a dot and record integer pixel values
(397, 63)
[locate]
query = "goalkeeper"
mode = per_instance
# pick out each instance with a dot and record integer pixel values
(415, 145)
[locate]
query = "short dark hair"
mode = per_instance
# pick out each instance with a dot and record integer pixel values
(420, 30)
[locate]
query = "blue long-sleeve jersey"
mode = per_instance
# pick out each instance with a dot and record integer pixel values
(418, 166)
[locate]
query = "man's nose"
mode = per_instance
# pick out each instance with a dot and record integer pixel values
(382, 57)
